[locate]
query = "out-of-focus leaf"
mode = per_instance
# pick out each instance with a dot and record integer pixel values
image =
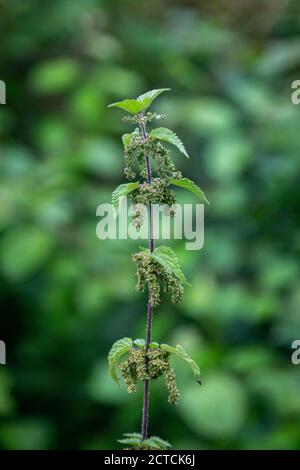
(24, 251)
(54, 76)
(100, 156)
(210, 116)
(129, 81)
(278, 388)
(6, 399)
(26, 435)
(227, 157)
(219, 410)
(279, 57)
(101, 390)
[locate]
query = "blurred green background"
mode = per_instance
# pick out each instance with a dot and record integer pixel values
(67, 296)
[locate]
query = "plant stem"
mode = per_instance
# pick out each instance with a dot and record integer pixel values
(145, 414)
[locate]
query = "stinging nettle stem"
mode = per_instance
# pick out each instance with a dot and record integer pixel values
(145, 414)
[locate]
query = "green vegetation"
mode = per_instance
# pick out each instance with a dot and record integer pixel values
(156, 267)
(66, 296)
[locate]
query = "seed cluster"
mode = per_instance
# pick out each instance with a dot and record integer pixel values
(163, 162)
(138, 215)
(152, 275)
(148, 366)
(156, 193)
(148, 117)
(134, 369)
(129, 166)
(161, 157)
(173, 390)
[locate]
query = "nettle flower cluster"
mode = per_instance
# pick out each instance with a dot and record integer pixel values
(158, 269)
(131, 362)
(142, 365)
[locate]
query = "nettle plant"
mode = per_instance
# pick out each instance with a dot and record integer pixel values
(138, 360)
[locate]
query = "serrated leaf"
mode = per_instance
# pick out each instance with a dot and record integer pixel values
(165, 134)
(147, 98)
(167, 258)
(122, 190)
(118, 349)
(154, 442)
(131, 106)
(133, 434)
(149, 443)
(131, 441)
(127, 138)
(180, 352)
(188, 184)
(140, 104)
(160, 442)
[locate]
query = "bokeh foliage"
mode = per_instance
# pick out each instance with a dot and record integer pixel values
(66, 296)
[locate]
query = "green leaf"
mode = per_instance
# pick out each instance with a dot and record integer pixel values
(122, 190)
(180, 352)
(136, 106)
(127, 138)
(132, 441)
(54, 76)
(162, 133)
(24, 251)
(220, 411)
(149, 443)
(6, 399)
(140, 343)
(147, 98)
(131, 106)
(161, 443)
(188, 184)
(118, 349)
(167, 258)
(133, 434)
(154, 442)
